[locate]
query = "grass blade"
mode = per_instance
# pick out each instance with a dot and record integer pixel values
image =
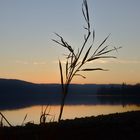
(67, 68)
(64, 43)
(24, 119)
(86, 7)
(84, 12)
(109, 51)
(93, 36)
(61, 73)
(94, 58)
(80, 76)
(6, 119)
(87, 13)
(103, 49)
(86, 55)
(101, 44)
(94, 69)
(45, 109)
(58, 42)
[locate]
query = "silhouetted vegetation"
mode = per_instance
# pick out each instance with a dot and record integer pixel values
(76, 59)
(119, 94)
(4, 118)
(119, 126)
(19, 94)
(117, 90)
(44, 115)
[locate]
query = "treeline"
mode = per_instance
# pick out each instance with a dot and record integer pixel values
(120, 90)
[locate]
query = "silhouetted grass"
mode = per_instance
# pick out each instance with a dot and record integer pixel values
(118, 126)
(44, 115)
(77, 59)
(4, 118)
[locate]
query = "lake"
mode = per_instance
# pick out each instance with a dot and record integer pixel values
(77, 105)
(18, 98)
(16, 116)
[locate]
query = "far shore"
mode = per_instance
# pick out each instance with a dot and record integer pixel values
(118, 126)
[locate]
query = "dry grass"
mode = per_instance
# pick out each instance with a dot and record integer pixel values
(45, 114)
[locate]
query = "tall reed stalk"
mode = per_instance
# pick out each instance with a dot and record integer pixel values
(3, 117)
(74, 60)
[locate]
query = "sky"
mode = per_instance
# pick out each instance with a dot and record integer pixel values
(27, 28)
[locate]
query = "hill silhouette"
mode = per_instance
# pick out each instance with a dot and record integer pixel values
(18, 94)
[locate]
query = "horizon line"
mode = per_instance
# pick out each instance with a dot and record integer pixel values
(1, 78)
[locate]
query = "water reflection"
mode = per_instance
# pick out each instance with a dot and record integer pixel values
(77, 105)
(15, 117)
(119, 100)
(72, 99)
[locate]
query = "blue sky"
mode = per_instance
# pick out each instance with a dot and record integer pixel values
(26, 29)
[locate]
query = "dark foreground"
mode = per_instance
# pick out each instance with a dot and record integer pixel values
(119, 126)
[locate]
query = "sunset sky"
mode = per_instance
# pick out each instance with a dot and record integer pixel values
(27, 27)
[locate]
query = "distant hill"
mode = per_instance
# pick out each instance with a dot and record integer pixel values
(8, 86)
(17, 94)
(15, 86)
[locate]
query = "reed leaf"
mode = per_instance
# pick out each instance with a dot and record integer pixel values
(24, 119)
(6, 119)
(103, 49)
(108, 51)
(80, 75)
(101, 44)
(68, 56)
(86, 55)
(87, 13)
(61, 74)
(57, 35)
(93, 69)
(1, 122)
(46, 109)
(93, 36)
(86, 6)
(84, 37)
(58, 42)
(72, 58)
(64, 44)
(116, 49)
(67, 68)
(84, 12)
(73, 64)
(94, 58)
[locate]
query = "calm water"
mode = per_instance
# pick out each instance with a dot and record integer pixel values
(15, 117)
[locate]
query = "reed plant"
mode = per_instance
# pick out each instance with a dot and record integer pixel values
(45, 114)
(77, 59)
(4, 118)
(23, 122)
(1, 122)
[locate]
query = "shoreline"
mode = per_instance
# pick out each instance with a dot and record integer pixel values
(118, 126)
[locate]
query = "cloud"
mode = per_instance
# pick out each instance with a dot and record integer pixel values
(95, 61)
(118, 61)
(30, 62)
(21, 62)
(107, 61)
(101, 61)
(39, 63)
